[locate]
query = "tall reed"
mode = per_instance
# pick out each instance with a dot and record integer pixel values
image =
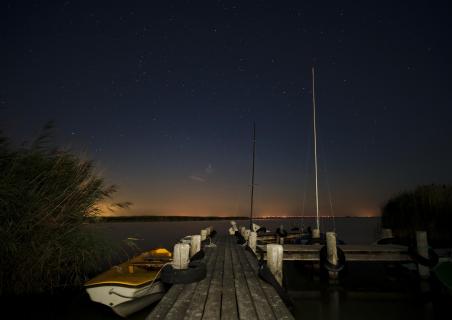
(428, 207)
(46, 195)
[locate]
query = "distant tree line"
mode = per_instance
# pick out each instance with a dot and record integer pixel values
(160, 218)
(428, 207)
(46, 194)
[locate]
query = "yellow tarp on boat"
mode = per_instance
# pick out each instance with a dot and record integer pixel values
(136, 272)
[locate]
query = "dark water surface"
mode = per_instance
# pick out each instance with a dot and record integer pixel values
(364, 291)
(166, 233)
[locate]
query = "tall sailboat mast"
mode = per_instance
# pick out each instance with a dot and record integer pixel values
(315, 152)
(252, 176)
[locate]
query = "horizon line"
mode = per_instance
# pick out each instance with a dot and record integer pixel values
(242, 217)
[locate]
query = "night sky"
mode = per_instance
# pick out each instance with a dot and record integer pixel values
(163, 94)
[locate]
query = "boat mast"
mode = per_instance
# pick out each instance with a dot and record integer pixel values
(252, 177)
(315, 152)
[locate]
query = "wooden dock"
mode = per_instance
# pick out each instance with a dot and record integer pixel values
(352, 252)
(231, 290)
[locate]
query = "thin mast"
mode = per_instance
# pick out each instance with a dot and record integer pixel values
(252, 177)
(315, 152)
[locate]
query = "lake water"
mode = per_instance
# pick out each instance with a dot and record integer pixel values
(165, 233)
(370, 291)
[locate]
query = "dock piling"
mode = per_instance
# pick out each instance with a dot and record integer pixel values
(181, 255)
(195, 244)
(246, 234)
(316, 233)
(203, 234)
(422, 249)
(331, 249)
(275, 261)
(386, 233)
(252, 241)
(242, 231)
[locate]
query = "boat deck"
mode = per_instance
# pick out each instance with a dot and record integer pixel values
(231, 290)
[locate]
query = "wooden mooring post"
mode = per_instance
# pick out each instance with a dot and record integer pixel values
(275, 261)
(422, 249)
(252, 241)
(231, 290)
(195, 244)
(386, 233)
(181, 254)
(242, 231)
(331, 250)
(246, 234)
(316, 233)
(203, 234)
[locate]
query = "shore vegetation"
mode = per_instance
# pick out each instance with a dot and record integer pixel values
(428, 207)
(46, 195)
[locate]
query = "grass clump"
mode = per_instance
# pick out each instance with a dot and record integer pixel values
(428, 207)
(46, 195)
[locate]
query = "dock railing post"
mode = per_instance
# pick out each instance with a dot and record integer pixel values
(203, 234)
(181, 255)
(331, 250)
(275, 261)
(252, 241)
(195, 244)
(422, 249)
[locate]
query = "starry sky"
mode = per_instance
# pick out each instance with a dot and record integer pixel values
(163, 94)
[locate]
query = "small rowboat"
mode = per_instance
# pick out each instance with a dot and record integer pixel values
(132, 285)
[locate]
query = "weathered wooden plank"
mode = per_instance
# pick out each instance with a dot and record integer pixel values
(229, 302)
(180, 306)
(162, 308)
(177, 299)
(230, 291)
(177, 311)
(212, 309)
(278, 306)
(195, 309)
(244, 302)
(263, 309)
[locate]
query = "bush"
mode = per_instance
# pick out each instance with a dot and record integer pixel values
(427, 208)
(46, 196)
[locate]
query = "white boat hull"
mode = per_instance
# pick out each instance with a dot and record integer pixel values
(126, 300)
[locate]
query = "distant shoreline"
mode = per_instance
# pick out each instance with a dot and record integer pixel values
(189, 218)
(159, 218)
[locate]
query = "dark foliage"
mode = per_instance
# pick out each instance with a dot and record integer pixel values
(427, 208)
(46, 195)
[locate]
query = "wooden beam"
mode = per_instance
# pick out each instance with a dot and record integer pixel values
(390, 253)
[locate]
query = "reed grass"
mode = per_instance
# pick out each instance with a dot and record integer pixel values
(428, 207)
(46, 196)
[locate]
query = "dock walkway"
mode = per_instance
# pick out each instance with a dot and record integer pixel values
(231, 290)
